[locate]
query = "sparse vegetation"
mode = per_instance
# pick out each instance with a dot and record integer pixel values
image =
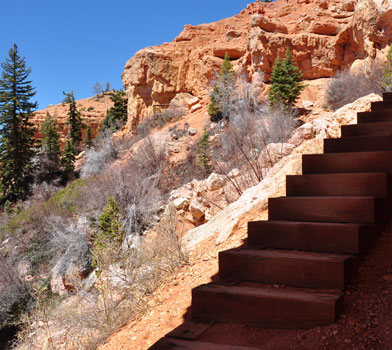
(158, 120)
(222, 91)
(349, 85)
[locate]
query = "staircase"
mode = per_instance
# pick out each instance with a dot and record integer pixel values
(293, 271)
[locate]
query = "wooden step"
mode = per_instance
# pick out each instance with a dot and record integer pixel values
(381, 105)
(367, 129)
(260, 306)
(168, 343)
(311, 236)
(288, 267)
(366, 210)
(358, 144)
(387, 96)
(355, 184)
(374, 116)
(352, 162)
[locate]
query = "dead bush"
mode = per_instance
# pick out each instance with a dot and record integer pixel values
(104, 152)
(249, 128)
(348, 86)
(127, 277)
(158, 120)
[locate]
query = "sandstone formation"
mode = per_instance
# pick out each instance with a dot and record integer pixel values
(323, 36)
(92, 110)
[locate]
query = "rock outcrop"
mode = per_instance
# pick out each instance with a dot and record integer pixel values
(93, 111)
(323, 36)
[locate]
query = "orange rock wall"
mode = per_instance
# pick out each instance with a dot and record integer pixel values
(324, 37)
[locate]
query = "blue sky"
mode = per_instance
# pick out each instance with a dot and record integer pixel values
(71, 45)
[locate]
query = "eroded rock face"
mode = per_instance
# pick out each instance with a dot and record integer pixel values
(92, 110)
(323, 36)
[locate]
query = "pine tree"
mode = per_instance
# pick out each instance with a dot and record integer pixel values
(202, 151)
(88, 141)
(227, 73)
(222, 91)
(51, 151)
(286, 82)
(387, 76)
(16, 132)
(117, 115)
(68, 160)
(74, 121)
(215, 108)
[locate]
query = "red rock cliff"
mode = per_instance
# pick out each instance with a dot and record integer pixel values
(324, 37)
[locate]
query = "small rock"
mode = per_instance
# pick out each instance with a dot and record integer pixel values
(215, 182)
(181, 203)
(307, 104)
(192, 131)
(234, 173)
(197, 209)
(196, 107)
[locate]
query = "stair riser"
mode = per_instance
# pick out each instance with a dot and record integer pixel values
(358, 144)
(329, 209)
(387, 96)
(367, 129)
(266, 312)
(289, 272)
(350, 239)
(380, 105)
(361, 162)
(168, 343)
(377, 185)
(374, 116)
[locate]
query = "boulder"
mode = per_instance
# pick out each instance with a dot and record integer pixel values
(181, 203)
(183, 101)
(304, 132)
(215, 181)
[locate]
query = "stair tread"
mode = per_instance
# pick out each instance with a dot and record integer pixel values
(296, 223)
(168, 343)
(291, 255)
(259, 290)
(325, 197)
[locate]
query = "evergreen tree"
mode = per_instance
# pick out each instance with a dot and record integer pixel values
(16, 132)
(387, 76)
(117, 115)
(74, 121)
(68, 160)
(202, 151)
(215, 108)
(88, 141)
(286, 82)
(222, 91)
(51, 151)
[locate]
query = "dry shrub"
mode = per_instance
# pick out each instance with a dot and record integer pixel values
(106, 150)
(127, 277)
(348, 86)
(14, 292)
(159, 119)
(250, 126)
